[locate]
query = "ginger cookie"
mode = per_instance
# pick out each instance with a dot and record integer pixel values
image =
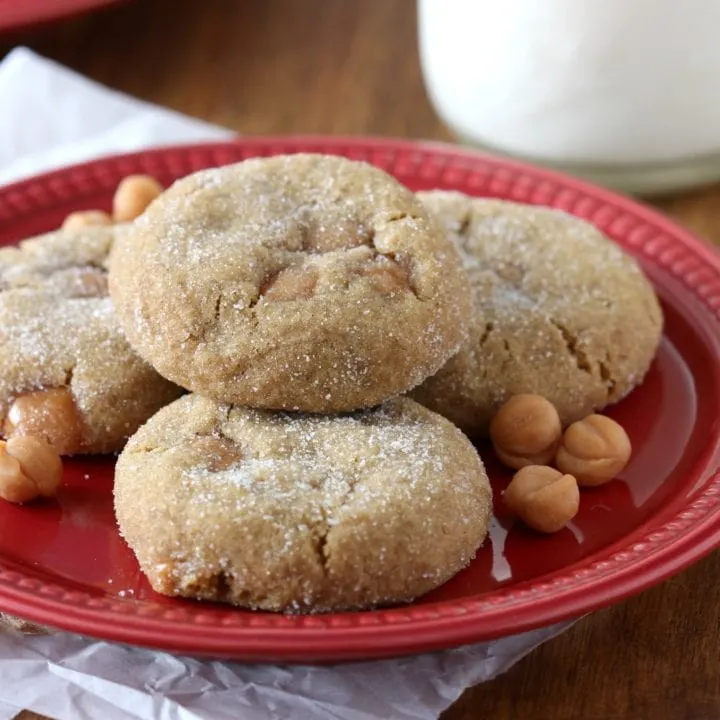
(66, 371)
(560, 311)
(299, 282)
(299, 512)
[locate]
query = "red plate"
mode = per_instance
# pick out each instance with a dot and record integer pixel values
(16, 15)
(64, 564)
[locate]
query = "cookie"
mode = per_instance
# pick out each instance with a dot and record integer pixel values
(560, 311)
(300, 512)
(301, 282)
(69, 263)
(66, 371)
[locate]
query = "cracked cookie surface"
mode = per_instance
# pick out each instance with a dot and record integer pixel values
(560, 311)
(62, 351)
(298, 512)
(302, 282)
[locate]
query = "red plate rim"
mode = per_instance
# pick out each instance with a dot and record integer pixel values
(20, 15)
(657, 549)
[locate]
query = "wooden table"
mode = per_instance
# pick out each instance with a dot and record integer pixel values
(338, 66)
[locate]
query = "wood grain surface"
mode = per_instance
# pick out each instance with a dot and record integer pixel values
(351, 67)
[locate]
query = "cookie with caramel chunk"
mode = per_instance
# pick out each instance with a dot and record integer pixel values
(300, 282)
(67, 373)
(298, 512)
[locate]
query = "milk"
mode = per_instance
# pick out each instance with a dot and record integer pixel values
(626, 92)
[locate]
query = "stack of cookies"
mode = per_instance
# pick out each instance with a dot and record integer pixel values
(297, 298)
(303, 301)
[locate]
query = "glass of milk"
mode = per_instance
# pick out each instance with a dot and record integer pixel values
(622, 92)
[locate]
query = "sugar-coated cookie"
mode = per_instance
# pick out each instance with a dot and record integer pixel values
(298, 512)
(560, 311)
(300, 282)
(66, 371)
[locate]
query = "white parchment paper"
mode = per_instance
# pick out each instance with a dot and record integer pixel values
(68, 677)
(49, 117)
